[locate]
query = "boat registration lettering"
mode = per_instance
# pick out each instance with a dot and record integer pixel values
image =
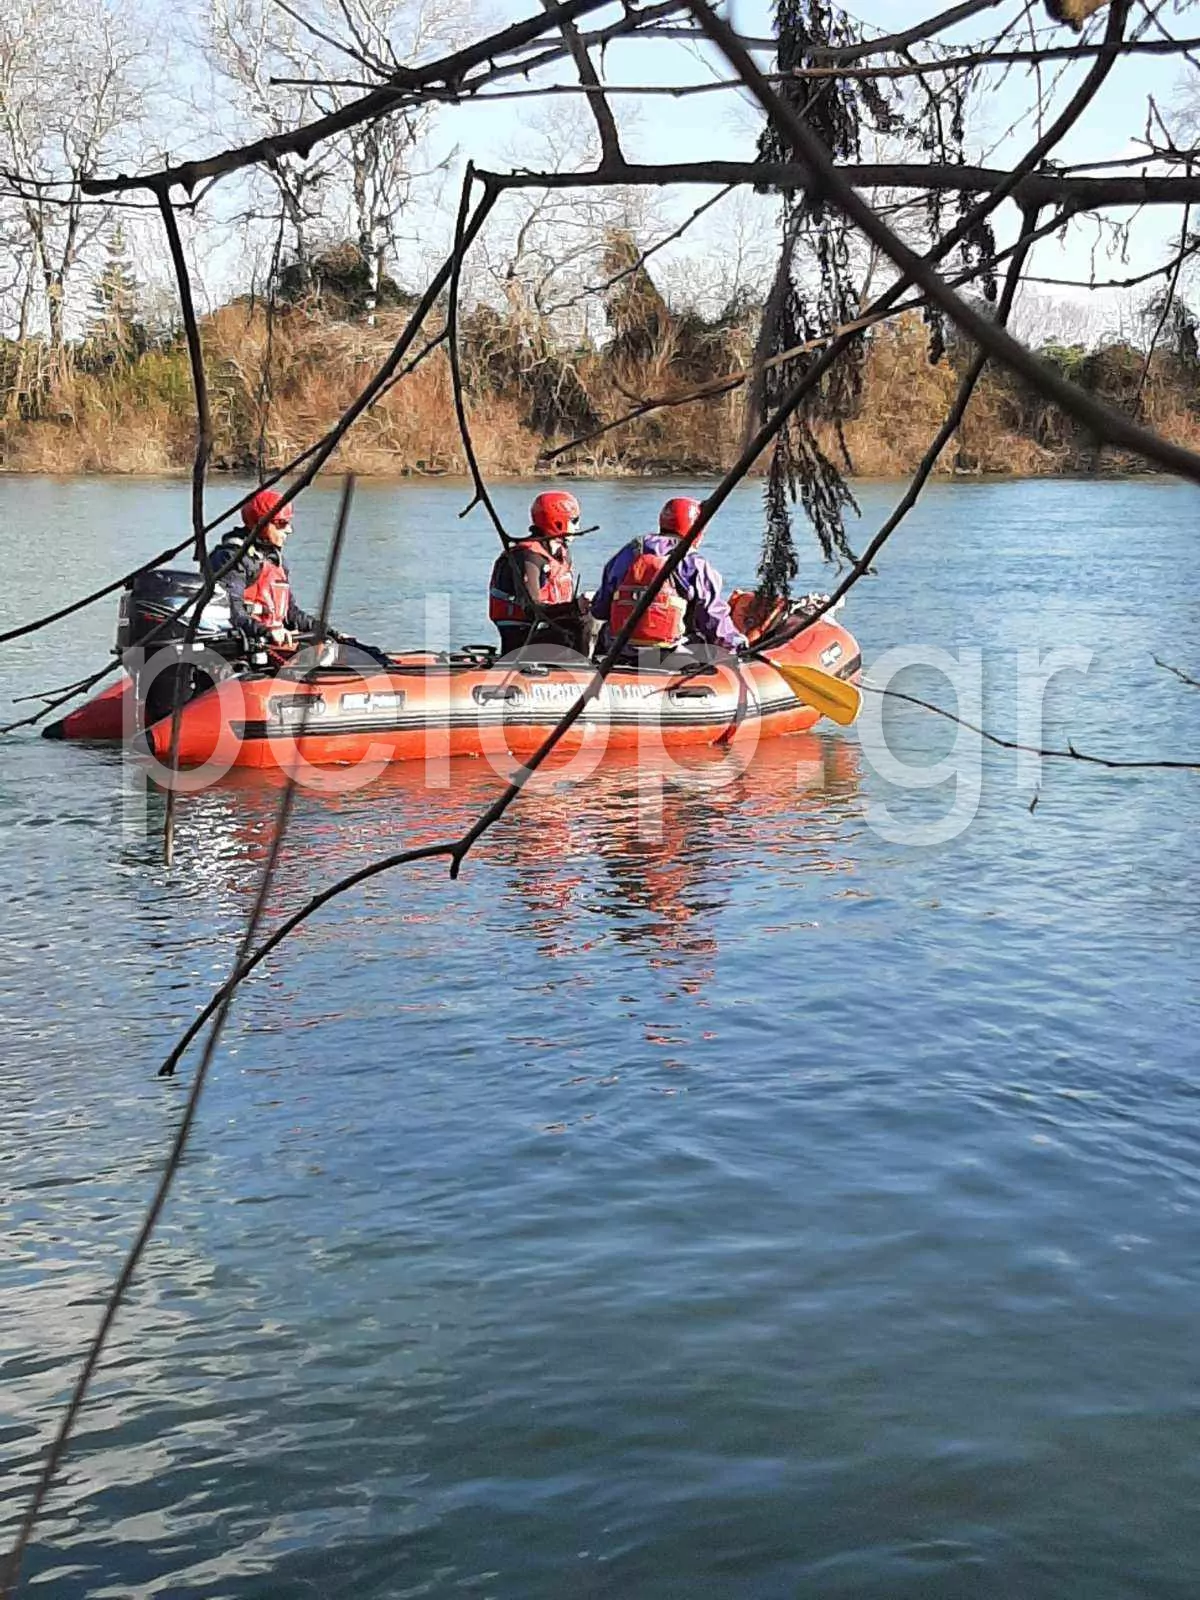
(377, 704)
(565, 693)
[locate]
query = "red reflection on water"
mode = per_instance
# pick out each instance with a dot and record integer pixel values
(640, 854)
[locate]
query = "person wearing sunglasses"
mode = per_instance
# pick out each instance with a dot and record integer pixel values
(256, 579)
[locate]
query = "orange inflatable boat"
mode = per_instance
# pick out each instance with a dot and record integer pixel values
(422, 706)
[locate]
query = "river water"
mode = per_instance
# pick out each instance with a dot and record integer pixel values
(726, 1194)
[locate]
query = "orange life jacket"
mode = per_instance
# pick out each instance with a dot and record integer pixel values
(268, 596)
(665, 622)
(508, 600)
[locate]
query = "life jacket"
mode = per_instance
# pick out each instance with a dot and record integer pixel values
(508, 600)
(268, 592)
(665, 621)
(753, 614)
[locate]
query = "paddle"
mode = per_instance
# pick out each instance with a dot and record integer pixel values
(832, 697)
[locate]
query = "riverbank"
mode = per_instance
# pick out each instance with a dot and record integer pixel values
(278, 383)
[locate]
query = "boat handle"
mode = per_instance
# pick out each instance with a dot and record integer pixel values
(484, 693)
(700, 692)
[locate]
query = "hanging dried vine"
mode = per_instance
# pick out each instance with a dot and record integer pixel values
(816, 284)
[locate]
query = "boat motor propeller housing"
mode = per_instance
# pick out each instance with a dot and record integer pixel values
(153, 597)
(153, 600)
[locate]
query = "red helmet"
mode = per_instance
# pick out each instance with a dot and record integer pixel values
(555, 512)
(678, 516)
(260, 506)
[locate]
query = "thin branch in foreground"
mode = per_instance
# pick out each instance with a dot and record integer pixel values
(191, 328)
(476, 91)
(73, 693)
(881, 45)
(589, 83)
(1192, 683)
(1165, 269)
(1033, 188)
(458, 254)
(203, 450)
(96, 594)
(590, 289)
(116, 1297)
(390, 97)
(1000, 58)
(1168, 303)
(1114, 763)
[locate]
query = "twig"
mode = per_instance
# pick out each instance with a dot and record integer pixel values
(1162, 271)
(371, 63)
(1069, 754)
(1168, 302)
(199, 381)
(884, 44)
(75, 691)
(1037, 189)
(300, 141)
(481, 495)
(203, 449)
(589, 83)
(96, 594)
(636, 266)
(471, 93)
(996, 58)
(1192, 683)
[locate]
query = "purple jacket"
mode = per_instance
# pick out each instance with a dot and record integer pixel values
(696, 580)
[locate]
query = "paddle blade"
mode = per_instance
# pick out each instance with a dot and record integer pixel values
(832, 697)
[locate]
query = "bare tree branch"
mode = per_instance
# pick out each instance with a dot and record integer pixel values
(1113, 763)
(589, 82)
(199, 381)
(376, 104)
(825, 180)
(1038, 189)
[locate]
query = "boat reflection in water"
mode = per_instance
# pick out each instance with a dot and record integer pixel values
(659, 860)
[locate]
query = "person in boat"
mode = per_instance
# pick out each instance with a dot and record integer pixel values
(688, 607)
(256, 579)
(532, 596)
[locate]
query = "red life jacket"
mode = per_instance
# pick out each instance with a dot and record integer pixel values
(507, 598)
(665, 622)
(268, 596)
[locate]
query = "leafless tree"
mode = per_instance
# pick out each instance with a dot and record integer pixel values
(72, 98)
(284, 63)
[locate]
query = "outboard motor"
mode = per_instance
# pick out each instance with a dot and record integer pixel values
(152, 600)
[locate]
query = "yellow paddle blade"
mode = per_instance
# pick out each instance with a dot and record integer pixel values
(832, 697)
